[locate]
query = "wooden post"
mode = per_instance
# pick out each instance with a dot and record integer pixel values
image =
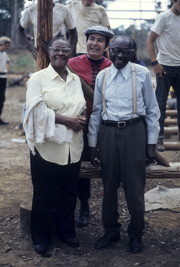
(44, 30)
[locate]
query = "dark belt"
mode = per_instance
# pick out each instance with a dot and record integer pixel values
(3, 73)
(121, 124)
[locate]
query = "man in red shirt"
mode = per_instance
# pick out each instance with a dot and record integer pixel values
(87, 67)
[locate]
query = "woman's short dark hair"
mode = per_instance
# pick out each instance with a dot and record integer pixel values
(58, 38)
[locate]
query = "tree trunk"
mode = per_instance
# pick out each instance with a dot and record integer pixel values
(44, 30)
(14, 35)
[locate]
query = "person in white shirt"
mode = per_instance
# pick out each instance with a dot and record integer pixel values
(62, 18)
(123, 127)
(166, 63)
(4, 67)
(86, 13)
(53, 124)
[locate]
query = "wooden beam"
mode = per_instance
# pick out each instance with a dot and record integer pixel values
(44, 30)
(152, 171)
(170, 122)
(172, 145)
(158, 171)
(171, 130)
(171, 112)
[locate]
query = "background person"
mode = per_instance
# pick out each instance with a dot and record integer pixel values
(62, 18)
(119, 132)
(87, 67)
(134, 57)
(4, 67)
(166, 63)
(86, 13)
(54, 109)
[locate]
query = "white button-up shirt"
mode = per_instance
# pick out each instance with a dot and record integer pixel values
(118, 99)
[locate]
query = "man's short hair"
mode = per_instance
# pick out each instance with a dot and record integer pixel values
(123, 37)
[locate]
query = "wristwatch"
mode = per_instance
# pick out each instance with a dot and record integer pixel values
(154, 63)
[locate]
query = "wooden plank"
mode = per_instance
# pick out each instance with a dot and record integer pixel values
(172, 145)
(152, 171)
(44, 30)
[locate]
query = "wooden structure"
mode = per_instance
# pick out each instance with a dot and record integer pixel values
(171, 130)
(152, 171)
(44, 30)
(172, 145)
(88, 171)
(170, 122)
(171, 112)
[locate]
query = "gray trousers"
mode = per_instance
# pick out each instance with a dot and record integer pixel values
(123, 154)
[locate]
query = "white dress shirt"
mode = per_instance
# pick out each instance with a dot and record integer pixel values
(118, 99)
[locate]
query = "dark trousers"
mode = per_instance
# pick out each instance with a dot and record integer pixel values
(122, 153)
(84, 185)
(171, 78)
(2, 93)
(54, 198)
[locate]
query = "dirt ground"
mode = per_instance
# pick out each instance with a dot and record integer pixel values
(162, 234)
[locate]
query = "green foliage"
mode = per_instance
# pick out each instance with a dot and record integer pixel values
(21, 61)
(139, 34)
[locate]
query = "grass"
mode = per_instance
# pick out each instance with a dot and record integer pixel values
(21, 62)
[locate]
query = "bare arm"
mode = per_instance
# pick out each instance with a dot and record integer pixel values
(7, 66)
(73, 40)
(158, 69)
(27, 43)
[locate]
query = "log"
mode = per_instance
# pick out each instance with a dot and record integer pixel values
(25, 212)
(161, 160)
(44, 30)
(172, 145)
(158, 171)
(170, 122)
(88, 171)
(152, 171)
(171, 112)
(171, 130)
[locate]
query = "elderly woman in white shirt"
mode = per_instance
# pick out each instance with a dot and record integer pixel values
(54, 122)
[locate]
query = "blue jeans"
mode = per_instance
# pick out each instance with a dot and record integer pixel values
(171, 78)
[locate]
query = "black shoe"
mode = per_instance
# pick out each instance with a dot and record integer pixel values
(160, 146)
(135, 245)
(83, 218)
(71, 241)
(3, 122)
(41, 248)
(107, 239)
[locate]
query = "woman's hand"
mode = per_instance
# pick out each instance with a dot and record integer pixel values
(75, 123)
